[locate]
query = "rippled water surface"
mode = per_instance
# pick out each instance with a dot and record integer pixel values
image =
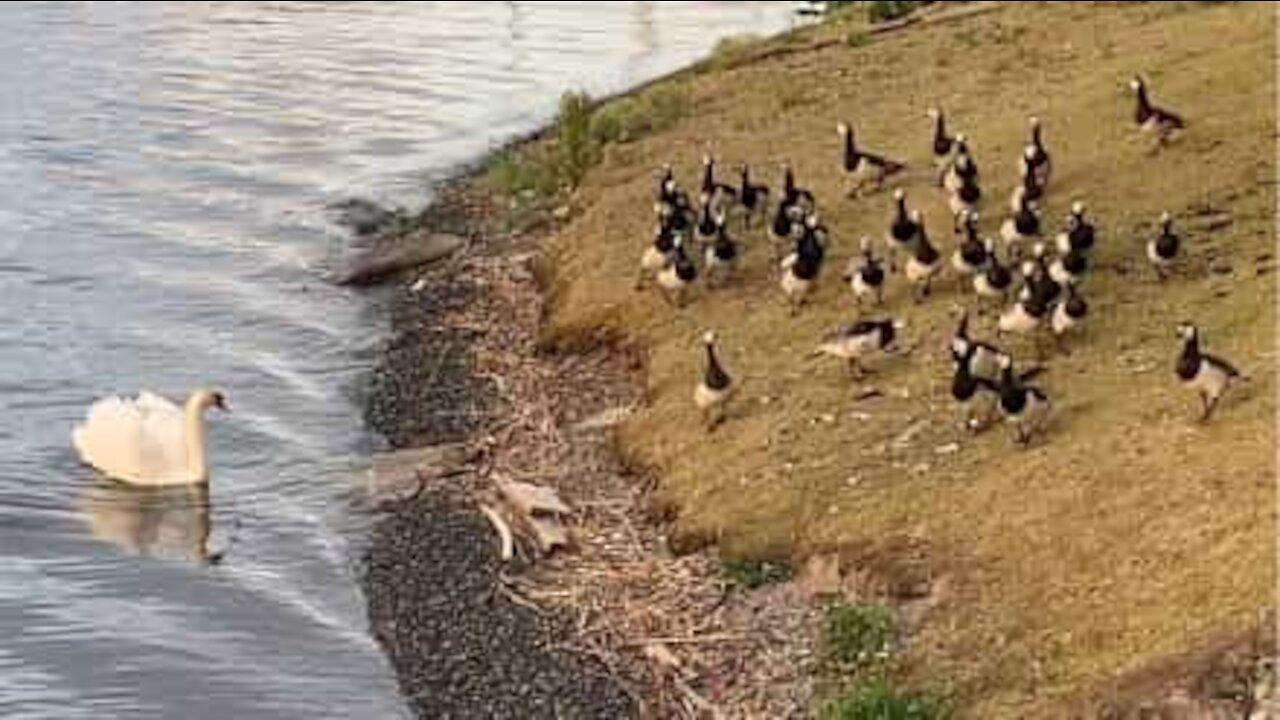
(163, 171)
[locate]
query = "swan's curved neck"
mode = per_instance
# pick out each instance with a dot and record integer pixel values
(197, 458)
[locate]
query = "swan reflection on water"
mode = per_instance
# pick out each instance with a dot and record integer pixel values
(168, 522)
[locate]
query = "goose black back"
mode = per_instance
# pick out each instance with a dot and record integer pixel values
(903, 228)
(925, 253)
(1080, 232)
(1026, 221)
(751, 194)
(724, 247)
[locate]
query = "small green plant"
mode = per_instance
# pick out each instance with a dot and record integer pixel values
(577, 150)
(733, 51)
(859, 635)
(885, 10)
(858, 38)
(630, 118)
(879, 700)
(751, 574)
(527, 177)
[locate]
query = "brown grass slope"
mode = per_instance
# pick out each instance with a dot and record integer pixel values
(1131, 534)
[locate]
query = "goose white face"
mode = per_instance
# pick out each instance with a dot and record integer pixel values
(843, 129)
(709, 337)
(1077, 208)
(1135, 84)
(1004, 361)
(1186, 331)
(899, 194)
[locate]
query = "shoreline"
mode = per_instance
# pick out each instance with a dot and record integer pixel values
(618, 625)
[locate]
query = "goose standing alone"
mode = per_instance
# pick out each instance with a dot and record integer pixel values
(863, 167)
(1208, 375)
(942, 144)
(148, 440)
(714, 388)
(1152, 119)
(865, 274)
(853, 342)
(1023, 405)
(1162, 250)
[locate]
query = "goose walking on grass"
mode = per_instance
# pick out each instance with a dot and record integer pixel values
(854, 342)
(1153, 120)
(1040, 163)
(721, 256)
(903, 228)
(1024, 317)
(1032, 190)
(679, 274)
(962, 169)
(801, 268)
(1162, 250)
(980, 356)
(1068, 316)
(148, 440)
(794, 196)
(1079, 234)
(714, 192)
(1022, 226)
(995, 281)
(1070, 268)
(783, 227)
(964, 199)
(1025, 406)
(976, 396)
(925, 261)
(866, 275)
(1209, 375)
(971, 256)
(942, 144)
(657, 255)
(714, 388)
(863, 167)
(752, 196)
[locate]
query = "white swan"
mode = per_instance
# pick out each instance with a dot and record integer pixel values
(148, 440)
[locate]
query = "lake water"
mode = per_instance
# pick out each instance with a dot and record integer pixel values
(163, 173)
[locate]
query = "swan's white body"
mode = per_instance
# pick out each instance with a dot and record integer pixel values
(147, 440)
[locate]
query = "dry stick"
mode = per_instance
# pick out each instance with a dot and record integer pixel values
(507, 542)
(691, 640)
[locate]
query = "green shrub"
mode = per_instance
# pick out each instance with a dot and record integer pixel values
(859, 634)
(527, 176)
(577, 150)
(884, 10)
(733, 51)
(858, 38)
(751, 574)
(879, 700)
(631, 118)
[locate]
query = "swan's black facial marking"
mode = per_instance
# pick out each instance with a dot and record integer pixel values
(220, 402)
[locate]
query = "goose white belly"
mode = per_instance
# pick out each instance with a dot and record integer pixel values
(669, 280)
(850, 347)
(1061, 322)
(1210, 379)
(982, 286)
(860, 286)
(1017, 320)
(1058, 271)
(653, 259)
(1009, 233)
(706, 397)
(1063, 243)
(918, 272)
(960, 265)
(958, 205)
(794, 286)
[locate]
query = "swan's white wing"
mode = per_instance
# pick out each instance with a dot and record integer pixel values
(140, 440)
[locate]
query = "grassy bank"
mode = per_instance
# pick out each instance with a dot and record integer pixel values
(1132, 536)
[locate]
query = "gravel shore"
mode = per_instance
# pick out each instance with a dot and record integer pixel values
(462, 646)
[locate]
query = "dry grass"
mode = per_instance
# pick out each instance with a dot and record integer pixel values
(1132, 533)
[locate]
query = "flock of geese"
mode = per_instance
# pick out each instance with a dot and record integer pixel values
(1033, 284)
